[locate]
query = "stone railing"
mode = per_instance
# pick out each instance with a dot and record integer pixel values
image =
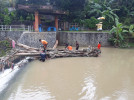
(16, 28)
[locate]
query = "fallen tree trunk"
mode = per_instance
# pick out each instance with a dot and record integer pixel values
(76, 54)
(27, 54)
(27, 47)
(55, 46)
(64, 53)
(50, 53)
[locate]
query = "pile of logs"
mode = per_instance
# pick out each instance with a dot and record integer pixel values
(51, 52)
(57, 53)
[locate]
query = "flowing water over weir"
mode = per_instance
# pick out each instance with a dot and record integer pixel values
(108, 77)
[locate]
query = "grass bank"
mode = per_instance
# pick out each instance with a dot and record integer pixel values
(88, 31)
(131, 45)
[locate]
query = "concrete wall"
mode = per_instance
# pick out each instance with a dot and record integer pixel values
(10, 34)
(30, 38)
(84, 38)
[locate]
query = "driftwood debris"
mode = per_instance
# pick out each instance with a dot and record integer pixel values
(50, 52)
(56, 53)
(53, 53)
(62, 53)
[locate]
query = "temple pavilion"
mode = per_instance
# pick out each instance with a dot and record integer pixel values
(42, 10)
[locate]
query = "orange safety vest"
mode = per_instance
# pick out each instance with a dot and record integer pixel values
(44, 42)
(69, 47)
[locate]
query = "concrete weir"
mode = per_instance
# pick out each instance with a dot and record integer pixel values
(32, 38)
(84, 38)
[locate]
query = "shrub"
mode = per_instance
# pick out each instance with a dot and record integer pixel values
(4, 47)
(91, 23)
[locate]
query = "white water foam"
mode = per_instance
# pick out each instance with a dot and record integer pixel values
(8, 74)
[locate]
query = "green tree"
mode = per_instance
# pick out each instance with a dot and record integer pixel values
(21, 19)
(28, 17)
(118, 32)
(95, 10)
(126, 10)
(131, 30)
(7, 20)
(91, 23)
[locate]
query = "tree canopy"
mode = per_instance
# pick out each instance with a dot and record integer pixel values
(119, 14)
(81, 9)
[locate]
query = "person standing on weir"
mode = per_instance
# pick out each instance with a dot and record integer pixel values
(99, 45)
(66, 45)
(44, 43)
(77, 45)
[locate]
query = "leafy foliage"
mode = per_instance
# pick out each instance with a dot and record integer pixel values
(4, 47)
(91, 23)
(119, 33)
(83, 12)
(21, 19)
(131, 30)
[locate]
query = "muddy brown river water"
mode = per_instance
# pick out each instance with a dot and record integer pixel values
(108, 77)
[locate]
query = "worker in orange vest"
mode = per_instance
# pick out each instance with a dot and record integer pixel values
(69, 47)
(44, 43)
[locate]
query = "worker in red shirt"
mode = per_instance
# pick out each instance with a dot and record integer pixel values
(44, 43)
(99, 45)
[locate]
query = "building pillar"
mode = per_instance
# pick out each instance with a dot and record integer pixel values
(56, 22)
(36, 21)
(64, 26)
(39, 20)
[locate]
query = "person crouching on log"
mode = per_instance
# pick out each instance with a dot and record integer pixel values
(43, 56)
(69, 48)
(44, 43)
